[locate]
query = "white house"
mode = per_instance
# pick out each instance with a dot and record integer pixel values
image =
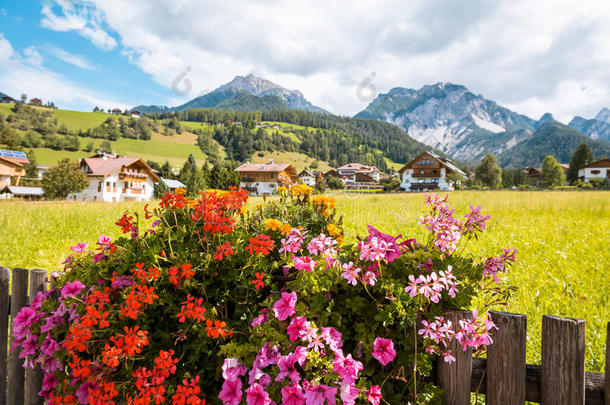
(599, 169)
(265, 178)
(112, 178)
(308, 178)
(350, 170)
(428, 172)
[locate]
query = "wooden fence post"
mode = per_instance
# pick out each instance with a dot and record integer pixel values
(506, 360)
(33, 386)
(16, 373)
(4, 339)
(607, 381)
(563, 361)
(454, 378)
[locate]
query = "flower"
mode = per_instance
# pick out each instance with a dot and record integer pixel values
(333, 230)
(319, 394)
(301, 190)
(383, 350)
(232, 368)
(374, 394)
(259, 283)
(292, 395)
(369, 278)
(304, 263)
(72, 289)
(231, 392)
(272, 224)
(81, 247)
(413, 287)
(349, 393)
(285, 306)
(256, 395)
(297, 328)
(350, 273)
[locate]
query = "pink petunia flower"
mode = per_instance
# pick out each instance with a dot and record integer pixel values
(383, 350)
(374, 395)
(231, 392)
(292, 395)
(285, 306)
(349, 393)
(232, 369)
(321, 394)
(72, 289)
(256, 395)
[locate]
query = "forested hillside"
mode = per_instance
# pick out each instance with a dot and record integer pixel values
(338, 140)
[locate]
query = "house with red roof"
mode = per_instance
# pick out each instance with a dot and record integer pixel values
(266, 178)
(117, 178)
(12, 167)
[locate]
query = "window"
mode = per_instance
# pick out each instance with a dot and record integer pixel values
(425, 162)
(595, 171)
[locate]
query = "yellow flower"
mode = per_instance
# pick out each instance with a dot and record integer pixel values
(333, 230)
(282, 189)
(180, 191)
(301, 190)
(324, 204)
(285, 229)
(259, 206)
(272, 224)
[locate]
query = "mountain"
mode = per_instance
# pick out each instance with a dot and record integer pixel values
(3, 95)
(544, 119)
(244, 93)
(552, 138)
(596, 128)
(449, 117)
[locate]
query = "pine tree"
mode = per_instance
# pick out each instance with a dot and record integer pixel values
(552, 173)
(488, 172)
(581, 157)
(192, 177)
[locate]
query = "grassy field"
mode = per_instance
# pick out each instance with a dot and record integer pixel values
(561, 237)
(160, 148)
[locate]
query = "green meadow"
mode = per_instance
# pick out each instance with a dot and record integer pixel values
(561, 240)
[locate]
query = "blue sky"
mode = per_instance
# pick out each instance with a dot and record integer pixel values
(104, 73)
(533, 57)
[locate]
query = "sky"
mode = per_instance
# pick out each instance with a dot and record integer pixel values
(530, 56)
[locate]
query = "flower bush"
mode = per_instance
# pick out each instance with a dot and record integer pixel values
(217, 304)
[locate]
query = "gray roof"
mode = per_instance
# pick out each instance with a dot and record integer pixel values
(173, 184)
(21, 190)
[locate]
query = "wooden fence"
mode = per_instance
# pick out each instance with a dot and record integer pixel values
(504, 377)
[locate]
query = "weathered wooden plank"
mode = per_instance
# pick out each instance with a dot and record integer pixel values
(594, 382)
(506, 360)
(607, 383)
(455, 378)
(16, 375)
(33, 385)
(563, 361)
(4, 308)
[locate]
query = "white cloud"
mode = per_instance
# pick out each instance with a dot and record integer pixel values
(533, 56)
(17, 76)
(31, 56)
(76, 60)
(82, 19)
